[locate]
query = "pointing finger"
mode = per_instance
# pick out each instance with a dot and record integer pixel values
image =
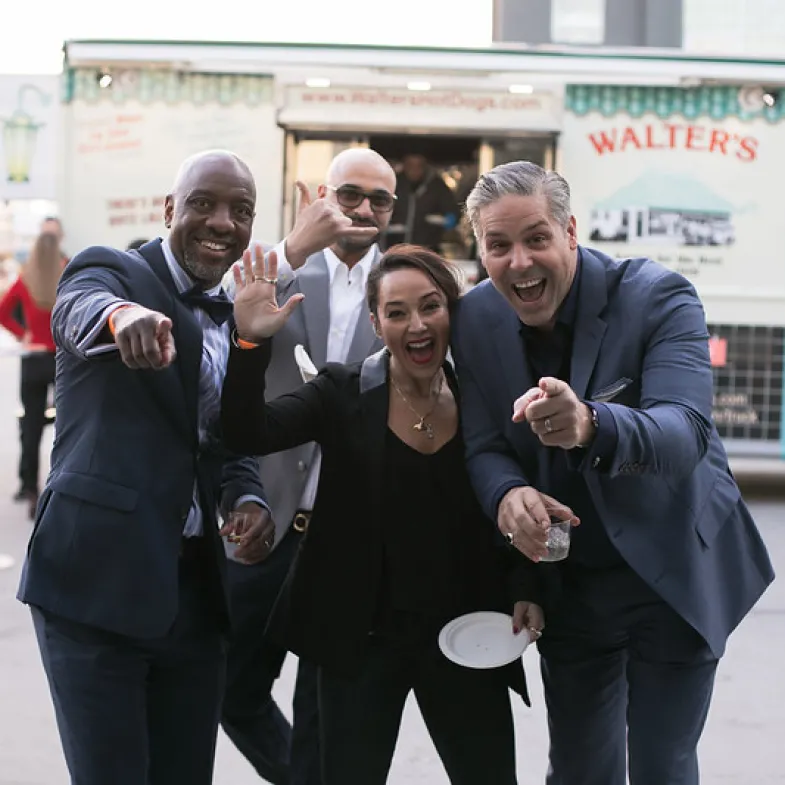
(552, 387)
(164, 327)
(522, 404)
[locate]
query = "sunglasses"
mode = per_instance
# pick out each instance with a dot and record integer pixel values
(350, 197)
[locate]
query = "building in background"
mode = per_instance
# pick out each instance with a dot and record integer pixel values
(725, 27)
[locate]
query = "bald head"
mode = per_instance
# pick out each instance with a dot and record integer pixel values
(355, 178)
(192, 168)
(210, 213)
(360, 160)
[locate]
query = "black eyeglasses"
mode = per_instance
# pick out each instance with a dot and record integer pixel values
(351, 198)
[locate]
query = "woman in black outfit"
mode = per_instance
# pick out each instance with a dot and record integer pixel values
(397, 544)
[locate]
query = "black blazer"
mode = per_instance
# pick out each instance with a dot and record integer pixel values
(107, 536)
(328, 603)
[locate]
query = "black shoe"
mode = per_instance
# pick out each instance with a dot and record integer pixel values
(32, 500)
(21, 495)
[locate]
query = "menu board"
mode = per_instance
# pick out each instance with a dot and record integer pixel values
(747, 362)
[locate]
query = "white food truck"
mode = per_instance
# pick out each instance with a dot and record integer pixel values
(675, 157)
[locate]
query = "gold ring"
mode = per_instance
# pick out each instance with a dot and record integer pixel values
(264, 278)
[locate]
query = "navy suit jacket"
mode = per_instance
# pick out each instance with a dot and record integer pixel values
(665, 495)
(107, 536)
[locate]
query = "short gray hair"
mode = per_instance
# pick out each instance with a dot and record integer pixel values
(520, 178)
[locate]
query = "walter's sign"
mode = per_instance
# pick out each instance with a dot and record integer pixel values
(692, 185)
(674, 136)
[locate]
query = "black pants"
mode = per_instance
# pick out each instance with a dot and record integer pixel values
(467, 713)
(280, 753)
(626, 678)
(139, 711)
(37, 375)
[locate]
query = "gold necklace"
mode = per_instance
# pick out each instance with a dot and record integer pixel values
(421, 426)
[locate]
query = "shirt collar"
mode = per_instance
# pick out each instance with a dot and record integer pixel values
(364, 264)
(181, 279)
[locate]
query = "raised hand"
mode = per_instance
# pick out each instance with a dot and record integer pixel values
(320, 223)
(256, 310)
(557, 416)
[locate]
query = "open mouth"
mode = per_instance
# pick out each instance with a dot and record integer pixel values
(530, 291)
(421, 352)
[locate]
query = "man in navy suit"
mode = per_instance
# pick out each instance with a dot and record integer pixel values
(588, 378)
(124, 573)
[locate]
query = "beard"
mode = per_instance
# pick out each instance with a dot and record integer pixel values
(352, 244)
(209, 274)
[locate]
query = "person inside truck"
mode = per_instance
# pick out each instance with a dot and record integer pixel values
(425, 207)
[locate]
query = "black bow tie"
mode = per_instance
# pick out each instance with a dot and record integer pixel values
(218, 308)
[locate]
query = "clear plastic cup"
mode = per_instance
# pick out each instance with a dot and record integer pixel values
(558, 541)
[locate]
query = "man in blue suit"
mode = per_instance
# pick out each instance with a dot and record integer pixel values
(124, 573)
(588, 378)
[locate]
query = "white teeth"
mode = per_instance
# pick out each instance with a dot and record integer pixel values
(214, 246)
(528, 284)
(420, 344)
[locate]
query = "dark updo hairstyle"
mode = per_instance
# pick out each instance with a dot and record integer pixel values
(414, 257)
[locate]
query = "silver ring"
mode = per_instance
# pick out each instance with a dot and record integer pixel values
(510, 537)
(265, 279)
(548, 425)
(269, 544)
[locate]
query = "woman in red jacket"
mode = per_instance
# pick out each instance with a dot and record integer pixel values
(34, 292)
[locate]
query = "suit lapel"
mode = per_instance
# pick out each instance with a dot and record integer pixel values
(186, 332)
(589, 326)
(314, 282)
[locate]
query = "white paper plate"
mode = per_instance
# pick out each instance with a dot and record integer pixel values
(482, 640)
(304, 363)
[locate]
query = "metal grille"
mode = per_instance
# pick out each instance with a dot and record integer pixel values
(747, 366)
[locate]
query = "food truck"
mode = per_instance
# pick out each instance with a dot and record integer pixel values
(675, 157)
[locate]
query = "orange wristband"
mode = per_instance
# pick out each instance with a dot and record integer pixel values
(240, 343)
(110, 319)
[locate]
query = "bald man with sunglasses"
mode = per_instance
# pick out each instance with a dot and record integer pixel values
(326, 257)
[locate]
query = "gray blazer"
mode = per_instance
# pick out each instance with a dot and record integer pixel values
(285, 473)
